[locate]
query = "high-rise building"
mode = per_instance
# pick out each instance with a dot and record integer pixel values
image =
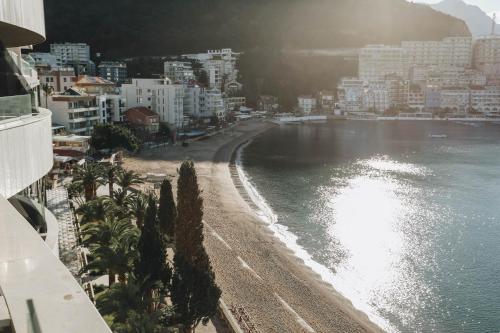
(451, 51)
(76, 55)
(350, 94)
(179, 71)
(377, 61)
(37, 292)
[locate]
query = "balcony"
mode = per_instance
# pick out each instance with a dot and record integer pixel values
(37, 292)
(22, 22)
(25, 145)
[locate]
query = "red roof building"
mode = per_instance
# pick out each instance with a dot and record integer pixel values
(144, 118)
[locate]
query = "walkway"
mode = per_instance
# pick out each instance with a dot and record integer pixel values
(58, 204)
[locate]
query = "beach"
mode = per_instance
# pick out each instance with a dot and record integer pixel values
(253, 268)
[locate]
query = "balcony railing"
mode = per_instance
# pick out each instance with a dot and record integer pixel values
(15, 107)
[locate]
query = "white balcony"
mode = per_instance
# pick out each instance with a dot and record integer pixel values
(39, 292)
(25, 151)
(21, 22)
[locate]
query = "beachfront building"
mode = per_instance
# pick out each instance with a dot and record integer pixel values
(487, 56)
(449, 52)
(350, 95)
(398, 90)
(113, 71)
(378, 61)
(456, 100)
(212, 104)
(486, 100)
(376, 97)
(76, 110)
(37, 292)
(143, 119)
(306, 103)
(158, 95)
(326, 100)
(108, 98)
(234, 103)
(180, 72)
(416, 98)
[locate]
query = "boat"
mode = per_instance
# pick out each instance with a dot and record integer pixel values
(438, 136)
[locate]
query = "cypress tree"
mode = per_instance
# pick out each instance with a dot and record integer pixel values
(194, 292)
(166, 211)
(151, 266)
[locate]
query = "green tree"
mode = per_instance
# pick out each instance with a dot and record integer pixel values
(166, 210)
(111, 137)
(90, 176)
(112, 171)
(151, 265)
(113, 246)
(194, 291)
(94, 210)
(137, 204)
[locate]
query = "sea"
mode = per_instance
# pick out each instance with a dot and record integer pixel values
(402, 217)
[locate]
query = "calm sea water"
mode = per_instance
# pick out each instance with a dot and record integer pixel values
(405, 225)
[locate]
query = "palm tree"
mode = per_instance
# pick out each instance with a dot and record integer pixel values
(93, 211)
(137, 205)
(112, 172)
(112, 243)
(90, 176)
(120, 198)
(128, 178)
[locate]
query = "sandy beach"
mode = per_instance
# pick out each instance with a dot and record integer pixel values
(252, 267)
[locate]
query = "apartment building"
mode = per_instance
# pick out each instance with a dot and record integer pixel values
(37, 292)
(180, 72)
(487, 56)
(378, 61)
(233, 103)
(220, 66)
(113, 71)
(376, 97)
(77, 111)
(350, 94)
(143, 119)
(449, 52)
(76, 55)
(456, 100)
(47, 59)
(58, 79)
(159, 95)
(108, 98)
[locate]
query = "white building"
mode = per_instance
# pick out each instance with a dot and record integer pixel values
(455, 100)
(487, 56)
(37, 292)
(75, 110)
(179, 71)
(350, 95)
(416, 99)
(378, 61)
(306, 103)
(159, 95)
(220, 66)
(326, 100)
(376, 97)
(212, 103)
(451, 51)
(191, 103)
(486, 100)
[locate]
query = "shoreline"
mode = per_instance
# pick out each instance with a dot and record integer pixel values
(253, 268)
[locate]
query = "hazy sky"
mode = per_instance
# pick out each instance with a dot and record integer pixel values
(488, 6)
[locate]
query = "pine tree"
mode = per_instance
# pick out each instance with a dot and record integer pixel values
(194, 292)
(152, 264)
(167, 211)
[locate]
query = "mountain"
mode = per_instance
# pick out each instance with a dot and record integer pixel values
(266, 30)
(478, 21)
(153, 27)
